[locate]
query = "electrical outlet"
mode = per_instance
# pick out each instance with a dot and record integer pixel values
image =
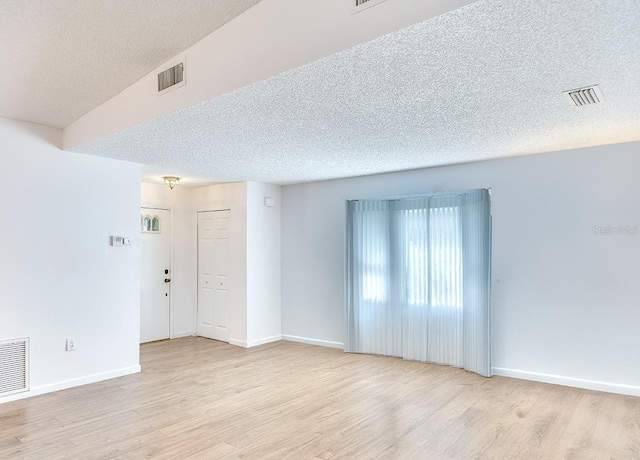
(71, 344)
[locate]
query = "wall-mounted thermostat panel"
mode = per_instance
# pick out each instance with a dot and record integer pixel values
(121, 241)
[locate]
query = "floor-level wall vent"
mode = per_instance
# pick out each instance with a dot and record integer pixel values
(14, 366)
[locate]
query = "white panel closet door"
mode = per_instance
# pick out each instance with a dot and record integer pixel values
(213, 275)
(155, 276)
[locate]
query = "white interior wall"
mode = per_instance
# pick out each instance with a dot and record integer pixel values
(183, 253)
(270, 38)
(264, 323)
(254, 256)
(565, 301)
(232, 196)
(59, 277)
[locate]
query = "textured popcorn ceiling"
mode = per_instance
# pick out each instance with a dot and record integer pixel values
(481, 82)
(62, 58)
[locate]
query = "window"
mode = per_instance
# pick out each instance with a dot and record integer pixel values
(374, 260)
(146, 223)
(433, 262)
(149, 224)
(406, 293)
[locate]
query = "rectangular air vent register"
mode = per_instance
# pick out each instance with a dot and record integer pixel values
(588, 95)
(14, 366)
(360, 5)
(172, 76)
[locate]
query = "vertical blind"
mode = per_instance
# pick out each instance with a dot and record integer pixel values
(418, 279)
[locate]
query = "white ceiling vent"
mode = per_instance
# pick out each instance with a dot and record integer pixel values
(14, 366)
(172, 77)
(360, 5)
(588, 95)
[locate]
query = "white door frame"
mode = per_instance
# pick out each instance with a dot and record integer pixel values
(160, 208)
(198, 260)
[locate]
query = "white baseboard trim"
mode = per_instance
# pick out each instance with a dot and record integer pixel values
(290, 338)
(255, 343)
(179, 335)
(569, 381)
(238, 343)
(321, 343)
(65, 384)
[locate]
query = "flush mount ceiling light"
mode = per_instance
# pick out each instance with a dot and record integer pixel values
(171, 181)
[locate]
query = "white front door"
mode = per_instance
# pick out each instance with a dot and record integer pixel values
(155, 281)
(213, 275)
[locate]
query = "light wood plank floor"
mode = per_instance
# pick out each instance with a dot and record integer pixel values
(198, 398)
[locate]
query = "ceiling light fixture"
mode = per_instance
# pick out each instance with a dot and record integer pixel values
(171, 181)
